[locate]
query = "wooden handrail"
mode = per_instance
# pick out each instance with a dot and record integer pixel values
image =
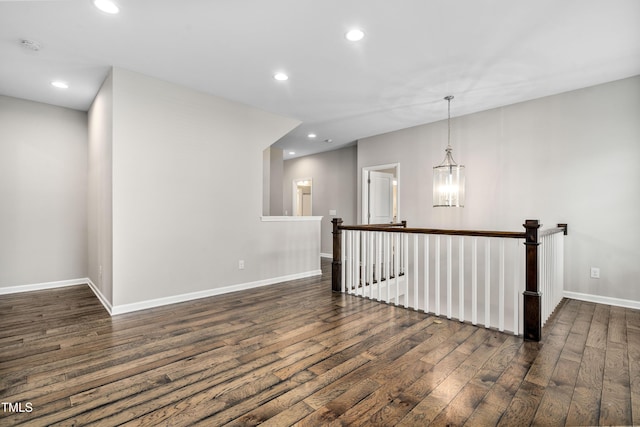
(561, 228)
(384, 225)
(479, 233)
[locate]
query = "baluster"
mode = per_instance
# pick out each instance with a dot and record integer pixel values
(379, 263)
(552, 271)
(358, 264)
(387, 264)
(364, 270)
(547, 299)
(449, 276)
(549, 282)
(349, 260)
(487, 283)
(501, 288)
(544, 286)
(556, 267)
(461, 279)
(349, 266)
(549, 275)
(426, 273)
(346, 264)
(560, 265)
(363, 262)
(415, 272)
(437, 277)
(343, 260)
(474, 281)
(396, 267)
(370, 262)
(405, 269)
(554, 283)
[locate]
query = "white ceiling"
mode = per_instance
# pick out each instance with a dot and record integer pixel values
(487, 53)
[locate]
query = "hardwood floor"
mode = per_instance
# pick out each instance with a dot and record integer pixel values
(297, 353)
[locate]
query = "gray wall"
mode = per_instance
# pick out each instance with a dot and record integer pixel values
(100, 183)
(43, 193)
(272, 159)
(276, 171)
(186, 177)
(571, 158)
(334, 187)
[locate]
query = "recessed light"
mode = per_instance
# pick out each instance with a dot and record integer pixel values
(292, 153)
(354, 35)
(107, 6)
(311, 135)
(60, 84)
(280, 77)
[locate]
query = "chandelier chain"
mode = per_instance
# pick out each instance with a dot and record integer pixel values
(449, 98)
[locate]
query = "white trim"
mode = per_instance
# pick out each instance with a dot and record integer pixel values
(105, 303)
(364, 187)
(324, 255)
(42, 286)
(142, 305)
(618, 302)
(127, 308)
(289, 218)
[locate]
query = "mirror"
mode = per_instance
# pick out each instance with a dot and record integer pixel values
(302, 205)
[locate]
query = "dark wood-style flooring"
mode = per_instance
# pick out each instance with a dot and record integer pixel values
(298, 353)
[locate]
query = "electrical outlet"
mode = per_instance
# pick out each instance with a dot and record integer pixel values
(595, 273)
(241, 264)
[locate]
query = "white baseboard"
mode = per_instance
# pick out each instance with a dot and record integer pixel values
(323, 255)
(127, 308)
(43, 286)
(103, 300)
(603, 300)
(142, 305)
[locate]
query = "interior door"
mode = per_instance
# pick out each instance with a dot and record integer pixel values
(380, 197)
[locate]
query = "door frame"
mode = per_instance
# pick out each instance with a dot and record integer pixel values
(365, 188)
(294, 199)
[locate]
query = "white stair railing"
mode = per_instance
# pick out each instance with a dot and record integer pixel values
(473, 276)
(551, 268)
(435, 275)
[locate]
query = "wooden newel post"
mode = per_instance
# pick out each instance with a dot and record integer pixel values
(336, 265)
(532, 295)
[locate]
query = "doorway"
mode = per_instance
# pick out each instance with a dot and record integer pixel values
(380, 194)
(302, 197)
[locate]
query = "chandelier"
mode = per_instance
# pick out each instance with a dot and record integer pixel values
(448, 177)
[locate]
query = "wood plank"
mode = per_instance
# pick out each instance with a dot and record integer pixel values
(615, 408)
(296, 353)
(557, 396)
(497, 400)
(431, 408)
(585, 403)
(633, 349)
(599, 327)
